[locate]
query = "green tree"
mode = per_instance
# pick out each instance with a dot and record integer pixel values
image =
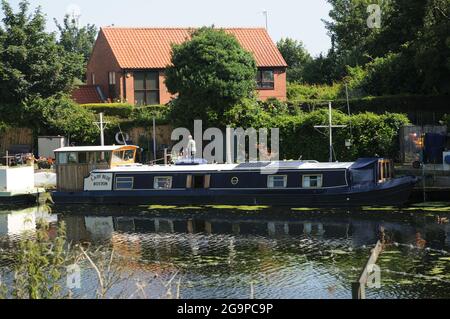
(76, 39)
(31, 61)
(210, 73)
(296, 57)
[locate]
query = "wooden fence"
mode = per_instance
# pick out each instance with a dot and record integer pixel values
(15, 136)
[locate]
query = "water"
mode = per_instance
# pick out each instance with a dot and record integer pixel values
(212, 253)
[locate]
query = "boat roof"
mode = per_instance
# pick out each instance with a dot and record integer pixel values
(106, 148)
(263, 166)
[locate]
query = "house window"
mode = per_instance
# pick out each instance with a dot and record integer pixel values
(146, 88)
(312, 181)
(162, 182)
(112, 85)
(277, 181)
(112, 78)
(124, 183)
(265, 79)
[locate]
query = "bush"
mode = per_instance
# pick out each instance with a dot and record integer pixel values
(122, 110)
(373, 135)
(247, 113)
(420, 109)
(144, 115)
(274, 106)
(298, 92)
(60, 115)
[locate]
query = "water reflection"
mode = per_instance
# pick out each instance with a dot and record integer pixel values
(283, 254)
(14, 222)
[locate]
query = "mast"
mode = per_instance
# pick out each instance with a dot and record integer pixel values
(330, 127)
(102, 126)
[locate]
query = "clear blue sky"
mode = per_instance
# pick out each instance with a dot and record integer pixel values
(298, 19)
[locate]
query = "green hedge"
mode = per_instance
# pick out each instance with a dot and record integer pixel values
(111, 109)
(421, 109)
(373, 135)
(297, 91)
(138, 114)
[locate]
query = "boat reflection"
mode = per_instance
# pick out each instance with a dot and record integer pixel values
(352, 229)
(13, 222)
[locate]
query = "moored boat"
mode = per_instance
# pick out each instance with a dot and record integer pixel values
(109, 175)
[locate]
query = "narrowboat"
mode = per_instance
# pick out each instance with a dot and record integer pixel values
(109, 175)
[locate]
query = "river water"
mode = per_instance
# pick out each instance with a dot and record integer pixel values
(241, 252)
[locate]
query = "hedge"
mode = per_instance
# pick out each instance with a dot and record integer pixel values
(372, 134)
(421, 109)
(111, 109)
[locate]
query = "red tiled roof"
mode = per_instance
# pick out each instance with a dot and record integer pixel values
(146, 48)
(87, 94)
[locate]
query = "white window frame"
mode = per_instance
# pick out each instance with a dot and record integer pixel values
(270, 181)
(320, 185)
(128, 179)
(155, 182)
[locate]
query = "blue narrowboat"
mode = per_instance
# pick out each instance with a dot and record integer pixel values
(109, 175)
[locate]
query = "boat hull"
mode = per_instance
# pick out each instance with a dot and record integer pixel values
(392, 193)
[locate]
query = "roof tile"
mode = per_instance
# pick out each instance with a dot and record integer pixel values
(145, 48)
(87, 94)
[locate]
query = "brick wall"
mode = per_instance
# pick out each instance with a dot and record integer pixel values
(280, 87)
(101, 63)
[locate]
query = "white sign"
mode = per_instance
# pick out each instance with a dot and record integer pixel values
(98, 182)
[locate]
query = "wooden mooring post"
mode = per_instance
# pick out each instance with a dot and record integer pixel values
(359, 287)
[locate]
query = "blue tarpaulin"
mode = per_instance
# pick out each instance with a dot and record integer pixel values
(434, 146)
(364, 162)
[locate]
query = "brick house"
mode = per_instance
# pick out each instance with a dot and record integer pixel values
(128, 64)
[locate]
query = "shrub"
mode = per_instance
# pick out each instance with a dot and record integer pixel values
(247, 113)
(122, 110)
(373, 135)
(144, 115)
(274, 106)
(60, 115)
(298, 92)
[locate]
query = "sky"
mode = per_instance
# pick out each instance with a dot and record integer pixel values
(297, 19)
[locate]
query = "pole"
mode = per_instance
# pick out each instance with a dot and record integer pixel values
(154, 139)
(102, 134)
(266, 14)
(330, 128)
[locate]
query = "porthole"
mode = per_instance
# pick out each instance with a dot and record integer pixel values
(234, 180)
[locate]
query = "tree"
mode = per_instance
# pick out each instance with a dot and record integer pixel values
(210, 73)
(31, 61)
(77, 39)
(296, 57)
(407, 54)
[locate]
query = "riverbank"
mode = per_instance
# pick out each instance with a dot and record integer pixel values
(434, 184)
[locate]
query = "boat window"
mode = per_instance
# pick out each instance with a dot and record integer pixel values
(72, 158)
(124, 183)
(277, 181)
(162, 182)
(117, 156)
(312, 181)
(82, 158)
(62, 158)
(128, 155)
(198, 181)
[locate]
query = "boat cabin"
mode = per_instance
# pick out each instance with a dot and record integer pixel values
(73, 164)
